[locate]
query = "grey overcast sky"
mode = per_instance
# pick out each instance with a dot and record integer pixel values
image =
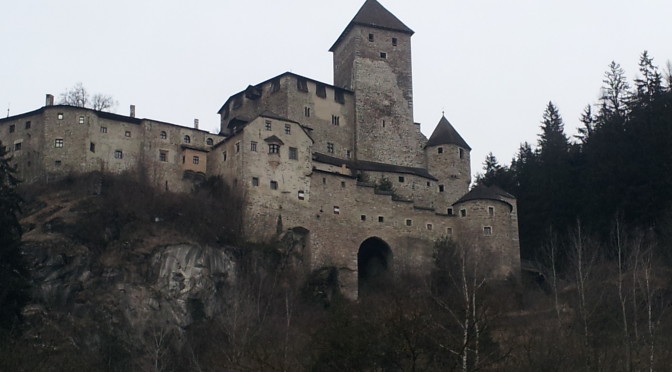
(491, 65)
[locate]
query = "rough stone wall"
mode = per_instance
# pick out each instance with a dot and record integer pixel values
(29, 157)
(453, 172)
(423, 191)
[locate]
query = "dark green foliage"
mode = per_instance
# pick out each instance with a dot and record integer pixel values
(13, 273)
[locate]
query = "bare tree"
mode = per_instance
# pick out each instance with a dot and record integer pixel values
(78, 96)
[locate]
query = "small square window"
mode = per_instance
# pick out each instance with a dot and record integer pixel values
(118, 154)
(301, 195)
(209, 142)
(429, 184)
(81, 120)
(58, 143)
(274, 185)
(440, 150)
(302, 84)
(450, 211)
(330, 147)
(128, 134)
(195, 160)
(293, 153)
(255, 181)
(491, 211)
(92, 147)
(394, 41)
(268, 125)
(339, 96)
(441, 188)
(163, 156)
(321, 90)
(409, 222)
(362, 217)
(103, 129)
(342, 184)
(401, 179)
(57, 163)
(253, 146)
(163, 134)
(449, 231)
(487, 230)
(348, 154)
(17, 146)
(383, 55)
(324, 181)
(12, 128)
(370, 37)
(28, 124)
(463, 213)
(288, 129)
(335, 120)
(381, 219)
(337, 210)
(60, 116)
(273, 148)
(186, 139)
(430, 226)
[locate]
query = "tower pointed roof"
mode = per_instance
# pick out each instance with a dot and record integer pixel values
(445, 134)
(372, 14)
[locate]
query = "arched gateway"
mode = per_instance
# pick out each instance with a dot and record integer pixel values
(374, 264)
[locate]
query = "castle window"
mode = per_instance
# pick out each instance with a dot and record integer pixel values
(321, 90)
(163, 134)
(383, 55)
(184, 159)
(371, 37)
(330, 147)
(92, 147)
(12, 128)
(28, 124)
(302, 84)
(118, 154)
(60, 116)
(440, 150)
(491, 211)
(306, 111)
(324, 181)
(163, 155)
(383, 123)
(487, 230)
(449, 231)
(255, 181)
(301, 195)
(273, 148)
(335, 120)
(339, 96)
(127, 133)
(224, 155)
(58, 143)
(348, 154)
(57, 163)
(450, 211)
(461, 153)
(187, 139)
(381, 219)
(103, 129)
(253, 146)
(362, 217)
(293, 153)
(441, 188)
(429, 184)
(337, 210)
(209, 142)
(429, 227)
(343, 184)
(288, 129)
(268, 125)
(401, 179)
(274, 185)
(409, 222)
(394, 41)
(275, 85)
(17, 146)
(463, 213)
(195, 160)
(81, 120)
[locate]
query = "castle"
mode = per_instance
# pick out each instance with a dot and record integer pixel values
(343, 165)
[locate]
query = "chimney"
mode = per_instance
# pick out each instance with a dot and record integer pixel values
(195, 123)
(50, 100)
(132, 111)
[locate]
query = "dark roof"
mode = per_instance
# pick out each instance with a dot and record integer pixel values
(372, 166)
(372, 14)
(190, 147)
(272, 115)
(274, 139)
(445, 134)
(482, 192)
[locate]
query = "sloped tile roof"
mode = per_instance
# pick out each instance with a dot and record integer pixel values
(482, 192)
(372, 166)
(445, 134)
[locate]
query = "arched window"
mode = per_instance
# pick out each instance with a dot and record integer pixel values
(209, 142)
(187, 139)
(163, 134)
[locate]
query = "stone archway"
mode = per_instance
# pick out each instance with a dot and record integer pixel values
(374, 265)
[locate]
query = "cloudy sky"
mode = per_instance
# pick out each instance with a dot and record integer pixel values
(491, 65)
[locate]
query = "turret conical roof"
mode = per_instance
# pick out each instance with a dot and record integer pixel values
(445, 134)
(372, 14)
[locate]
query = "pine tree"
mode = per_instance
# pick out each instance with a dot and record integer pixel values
(13, 273)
